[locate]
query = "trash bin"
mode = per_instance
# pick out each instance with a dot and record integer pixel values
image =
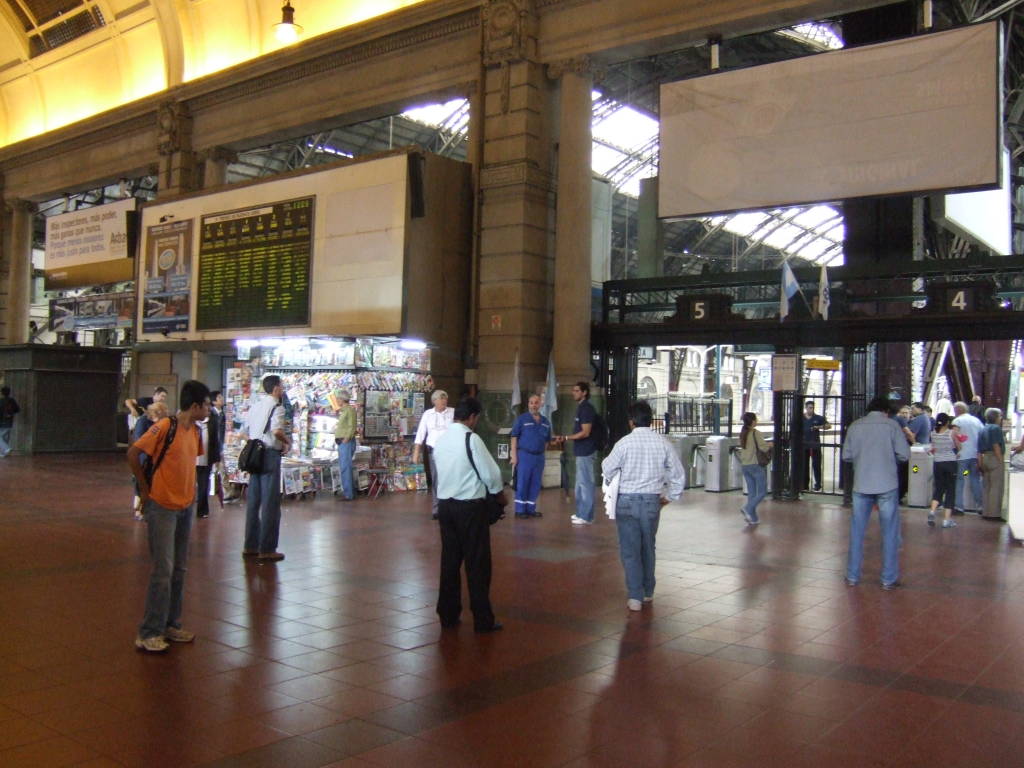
(721, 476)
(919, 487)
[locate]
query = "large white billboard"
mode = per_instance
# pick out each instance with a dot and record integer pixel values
(89, 246)
(913, 115)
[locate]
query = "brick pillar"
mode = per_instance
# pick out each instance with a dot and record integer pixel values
(16, 271)
(516, 201)
(573, 221)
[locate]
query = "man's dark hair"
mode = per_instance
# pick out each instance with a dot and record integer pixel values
(193, 393)
(466, 407)
(269, 383)
(5, 391)
(640, 414)
(881, 404)
(808, 402)
(158, 390)
(214, 395)
(584, 388)
(919, 405)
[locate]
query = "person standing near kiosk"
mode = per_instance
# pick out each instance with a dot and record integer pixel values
(530, 435)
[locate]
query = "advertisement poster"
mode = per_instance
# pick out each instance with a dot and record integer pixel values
(90, 246)
(82, 313)
(168, 277)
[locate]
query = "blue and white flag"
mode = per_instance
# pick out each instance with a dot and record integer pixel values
(550, 404)
(790, 287)
(824, 294)
(517, 396)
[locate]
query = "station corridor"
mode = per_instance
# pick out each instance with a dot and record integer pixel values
(753, 653)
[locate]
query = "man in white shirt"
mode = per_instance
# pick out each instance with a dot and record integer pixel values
(650, 475)
(433, 424)
(463, 518)
(266, 422)
(967, 460)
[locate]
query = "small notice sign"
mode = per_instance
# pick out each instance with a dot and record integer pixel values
(784, 373)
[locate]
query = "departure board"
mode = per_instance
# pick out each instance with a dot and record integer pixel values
(254, 266)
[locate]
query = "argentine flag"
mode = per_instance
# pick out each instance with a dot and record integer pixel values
(788, 291)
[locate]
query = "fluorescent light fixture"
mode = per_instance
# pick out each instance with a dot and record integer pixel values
(412, 344)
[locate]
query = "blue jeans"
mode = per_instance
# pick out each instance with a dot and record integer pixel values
(345, 453)
(263, 505)
(889, 520)
(168, 546)
(5, 440)
(757, 486)
(585, 487)
(968, 469)
(636, 517)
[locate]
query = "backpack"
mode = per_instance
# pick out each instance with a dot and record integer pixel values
(599, 432)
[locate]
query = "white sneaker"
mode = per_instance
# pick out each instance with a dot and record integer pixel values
(648, 598)
(579, 521)
(634, 605)
(151, 644)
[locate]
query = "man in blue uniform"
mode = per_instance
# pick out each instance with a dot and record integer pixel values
(530, 435)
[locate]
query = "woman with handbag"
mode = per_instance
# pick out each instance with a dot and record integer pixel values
(755, 455)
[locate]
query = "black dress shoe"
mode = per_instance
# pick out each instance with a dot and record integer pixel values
(536, 514)
(496, 626)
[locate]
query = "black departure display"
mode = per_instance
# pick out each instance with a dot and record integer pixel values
(255, 267)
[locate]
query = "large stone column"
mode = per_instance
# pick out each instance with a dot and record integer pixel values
(516, 199)
(573, 221)
(16, 271)
(174, 144)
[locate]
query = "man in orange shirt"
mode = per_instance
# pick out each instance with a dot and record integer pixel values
(167, 497)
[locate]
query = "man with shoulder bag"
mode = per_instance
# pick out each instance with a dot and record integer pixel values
(466, 475)
(265, 423)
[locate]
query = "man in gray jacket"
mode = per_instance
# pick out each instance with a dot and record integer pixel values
(875, 444)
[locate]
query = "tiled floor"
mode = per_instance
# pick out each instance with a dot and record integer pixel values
(753, 653)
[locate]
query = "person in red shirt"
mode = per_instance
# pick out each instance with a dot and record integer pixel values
(167, 499)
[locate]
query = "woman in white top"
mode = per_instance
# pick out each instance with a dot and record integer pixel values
(943, 448)
(432, 425)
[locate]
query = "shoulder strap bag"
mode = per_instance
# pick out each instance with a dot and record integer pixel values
(251, 458)
(495, 502)
(152, 466)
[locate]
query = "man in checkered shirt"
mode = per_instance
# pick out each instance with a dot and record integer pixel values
(650, 475)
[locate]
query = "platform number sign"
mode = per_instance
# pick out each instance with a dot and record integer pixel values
(699, 310)
(960, 299)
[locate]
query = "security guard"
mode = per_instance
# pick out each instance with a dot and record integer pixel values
(530, 435)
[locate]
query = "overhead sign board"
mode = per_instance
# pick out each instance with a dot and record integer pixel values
(93, 246)
(913, 115)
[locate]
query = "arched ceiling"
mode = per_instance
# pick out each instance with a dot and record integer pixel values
(65, 60)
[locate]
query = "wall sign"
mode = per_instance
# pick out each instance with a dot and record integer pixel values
(784, 373)
(168, 277)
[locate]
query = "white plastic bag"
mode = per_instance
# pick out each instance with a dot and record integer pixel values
(610, 489)
(1017, 462)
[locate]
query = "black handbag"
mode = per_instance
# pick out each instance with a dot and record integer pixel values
(494, 502)
(251, 458)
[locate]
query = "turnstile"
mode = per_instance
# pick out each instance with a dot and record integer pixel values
(723, 472)
(687, 449)
(919, 487)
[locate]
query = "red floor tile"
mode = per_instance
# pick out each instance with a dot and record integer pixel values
(334, 657)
